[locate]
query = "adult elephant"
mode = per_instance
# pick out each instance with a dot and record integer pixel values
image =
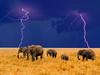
(88, 54)
(35, 51)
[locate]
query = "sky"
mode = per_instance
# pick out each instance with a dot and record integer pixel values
(52, 23)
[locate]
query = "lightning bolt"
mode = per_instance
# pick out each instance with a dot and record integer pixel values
(24, 18)
(84, 27)
(85, 32)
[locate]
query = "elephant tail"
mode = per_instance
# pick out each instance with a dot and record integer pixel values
(18, 54)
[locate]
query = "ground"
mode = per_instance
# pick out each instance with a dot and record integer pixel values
(10, 65)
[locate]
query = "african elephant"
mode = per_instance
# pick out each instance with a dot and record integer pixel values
(35, 51)
(88, 54)
(22, 50)
(64, 57)
(52, 53)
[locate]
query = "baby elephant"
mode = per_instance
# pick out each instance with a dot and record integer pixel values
(88, 54)
(52, 53)
(22, 50)
(64, 57)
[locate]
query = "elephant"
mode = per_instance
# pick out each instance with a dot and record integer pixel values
(88, 54)
(64, 57)
(35, 51)
(22, 50)
(52, 53)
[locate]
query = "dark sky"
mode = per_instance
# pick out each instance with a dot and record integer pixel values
(49, 23)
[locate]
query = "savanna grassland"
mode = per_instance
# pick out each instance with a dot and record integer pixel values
(10, 65)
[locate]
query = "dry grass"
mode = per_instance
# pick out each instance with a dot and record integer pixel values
(10, 65)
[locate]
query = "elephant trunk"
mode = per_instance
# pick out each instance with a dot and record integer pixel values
(78, 56)
(18, 54)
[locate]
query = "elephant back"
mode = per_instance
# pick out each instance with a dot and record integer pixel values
(39, 49)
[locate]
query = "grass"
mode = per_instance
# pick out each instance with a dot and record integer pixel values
(10, 65)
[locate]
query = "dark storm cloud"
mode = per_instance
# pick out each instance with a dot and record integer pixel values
(54, 8)
(55, 32)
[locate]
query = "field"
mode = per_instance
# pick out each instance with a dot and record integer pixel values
(10, 65)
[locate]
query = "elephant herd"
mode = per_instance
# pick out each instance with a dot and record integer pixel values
(36, 51)
(33, 50)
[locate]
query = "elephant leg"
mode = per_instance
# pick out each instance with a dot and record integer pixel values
(41, 56)
(33, 58)
(92, 58)
(24, 54)
(83, 58)
(33, 55)
(36, 57)
(27, 56)
(86, 58)
(55, 56)
(52, 55)
(18, 54)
